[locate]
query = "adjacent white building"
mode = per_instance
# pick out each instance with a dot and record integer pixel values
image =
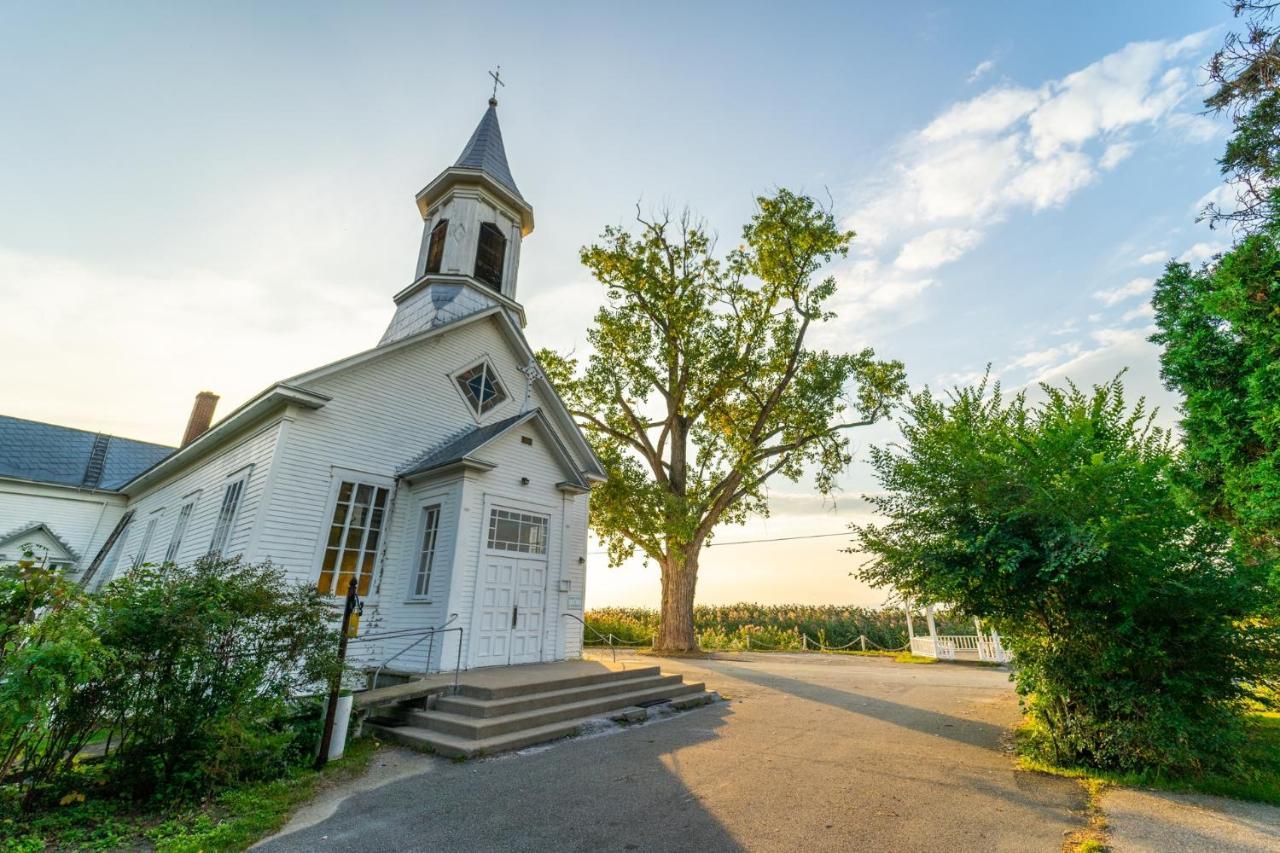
(438, 469)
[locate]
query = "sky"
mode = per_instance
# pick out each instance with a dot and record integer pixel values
(221, 196)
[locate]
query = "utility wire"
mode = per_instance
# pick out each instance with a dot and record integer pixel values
(758, 541)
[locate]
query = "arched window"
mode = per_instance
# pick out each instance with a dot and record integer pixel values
(490, 251)
(435, 249)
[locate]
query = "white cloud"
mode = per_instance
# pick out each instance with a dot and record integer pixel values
(1201, 252)
(980, 70)
(1222, 197)
(1156, 257)
(937, 247)
(1131, 86)
(1116, 152)
(1135, 287)
(1039, 359)
(992, 111)
(867, 286)
(1017, 148)
(1143, 312)
(1050, 182)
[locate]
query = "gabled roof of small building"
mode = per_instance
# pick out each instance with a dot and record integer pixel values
(47, 453)
(462, 449)
(23, 530)
(485, 152)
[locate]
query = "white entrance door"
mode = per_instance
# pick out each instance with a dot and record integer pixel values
(531, 588)
(511, 589)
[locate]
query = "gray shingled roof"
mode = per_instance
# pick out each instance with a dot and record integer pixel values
(484, 152)
(463, 446)
(46, 453)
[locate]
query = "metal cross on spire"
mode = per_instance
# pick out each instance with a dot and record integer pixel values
(496, 74)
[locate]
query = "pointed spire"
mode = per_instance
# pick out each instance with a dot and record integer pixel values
(485, 153)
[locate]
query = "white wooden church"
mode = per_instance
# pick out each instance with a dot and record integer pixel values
(439, 469)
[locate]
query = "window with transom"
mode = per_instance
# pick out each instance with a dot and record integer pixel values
(481, 387)
(522, 532)
(355, 531)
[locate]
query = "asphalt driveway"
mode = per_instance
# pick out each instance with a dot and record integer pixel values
(808, 752)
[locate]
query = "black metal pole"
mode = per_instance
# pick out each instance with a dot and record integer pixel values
(335, 682)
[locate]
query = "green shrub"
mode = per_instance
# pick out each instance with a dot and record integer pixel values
(209, 657)
(1062, 525)
(52, 675)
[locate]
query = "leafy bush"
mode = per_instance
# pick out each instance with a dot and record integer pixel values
(1062, 525)
(208, 658)
(52, 669)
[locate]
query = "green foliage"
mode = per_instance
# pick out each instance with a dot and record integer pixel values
(52, 670)
(233, 819)
(1245, 73)
(210, 656)
(701, 385)
(1061, 524)
(1219, 327)
(777, 625)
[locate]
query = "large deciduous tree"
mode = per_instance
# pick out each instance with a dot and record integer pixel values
(702, 383)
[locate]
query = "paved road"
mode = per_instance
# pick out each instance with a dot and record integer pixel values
(1160, 822)
(812, 753)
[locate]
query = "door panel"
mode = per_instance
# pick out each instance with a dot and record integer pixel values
(497, 596)
(530, 594)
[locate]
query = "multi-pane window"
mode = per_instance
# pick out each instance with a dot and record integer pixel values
(491, 248)
(435, 249)
(227, 510)
(354, 533)
(481, 387)
(427, 552)
(517, 531)
(140, 556)
(179, 530)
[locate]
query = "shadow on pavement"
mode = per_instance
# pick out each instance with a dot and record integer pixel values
(610, 792)
(971, 732)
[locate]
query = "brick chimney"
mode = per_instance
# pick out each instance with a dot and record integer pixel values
(201, 416)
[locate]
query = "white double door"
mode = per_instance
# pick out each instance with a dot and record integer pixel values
(511, 615)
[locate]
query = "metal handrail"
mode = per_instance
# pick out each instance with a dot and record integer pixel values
(613, 652)
(428, 633)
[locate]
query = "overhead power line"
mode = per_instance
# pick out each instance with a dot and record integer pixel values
(759, 541)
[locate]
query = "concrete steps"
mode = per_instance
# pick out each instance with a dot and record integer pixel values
(485, 719)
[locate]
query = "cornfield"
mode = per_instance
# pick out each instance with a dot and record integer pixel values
(776, 626)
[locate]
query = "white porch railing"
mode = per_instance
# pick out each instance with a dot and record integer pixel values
(951, 646)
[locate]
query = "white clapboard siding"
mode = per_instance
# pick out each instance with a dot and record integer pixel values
(383, 414)
(208, 476)
(502, 487)
(81, 518)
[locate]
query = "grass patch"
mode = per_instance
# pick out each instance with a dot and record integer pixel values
(907, 657)
(230, 820)
(1255, 776)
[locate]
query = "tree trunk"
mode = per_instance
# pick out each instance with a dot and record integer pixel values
(675, 626)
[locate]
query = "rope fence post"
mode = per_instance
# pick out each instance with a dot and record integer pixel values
(863, 639)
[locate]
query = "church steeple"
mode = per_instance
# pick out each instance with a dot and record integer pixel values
(486, 153)
(474, 219)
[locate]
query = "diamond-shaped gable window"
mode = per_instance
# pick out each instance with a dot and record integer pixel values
(481, 387)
